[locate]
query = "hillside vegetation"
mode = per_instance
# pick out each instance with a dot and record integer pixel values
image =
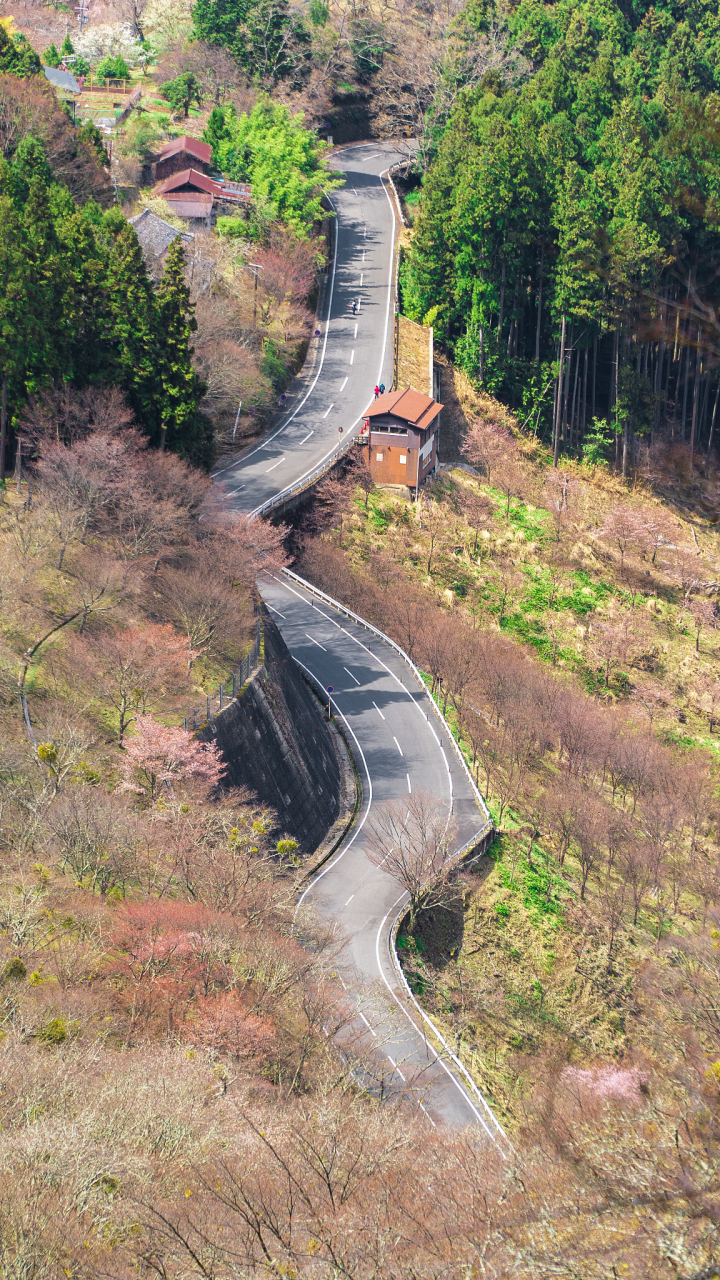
(568, 630)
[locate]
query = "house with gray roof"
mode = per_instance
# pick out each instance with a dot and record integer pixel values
(155, 236)
(64, 81)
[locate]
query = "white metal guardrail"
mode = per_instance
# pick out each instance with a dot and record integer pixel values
(354, 617)
(306, 480)
(487, 1119)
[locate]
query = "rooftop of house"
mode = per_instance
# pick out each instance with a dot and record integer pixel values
(202, 150)
(189, 178)
(410, 405)
(155, 234)
(62, 79)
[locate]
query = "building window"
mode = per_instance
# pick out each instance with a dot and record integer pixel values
(378, 457)
(403, 457)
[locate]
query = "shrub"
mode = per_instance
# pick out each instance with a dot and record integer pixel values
(113, 68)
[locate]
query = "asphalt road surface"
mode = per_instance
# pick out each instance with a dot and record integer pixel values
(396, 736)
(399, 745)
(354, 351)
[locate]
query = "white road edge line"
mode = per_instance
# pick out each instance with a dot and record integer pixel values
(407, 775)
(328, 410)
(390, 295)
(352, 677)
(344, 385)
(311, 388)
(341, 853)
(317, 642)
(461, 1088)
(377, 709)
(333, 862)
(307, 437)
(274, 465)
(352, 356)
(397, 744)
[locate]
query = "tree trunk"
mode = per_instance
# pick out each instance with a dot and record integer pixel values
(502, 301)
(686, 383)
(712, 420)
(539, 305)
(556, 443)
(575, 405)
(3, 425)
(696, 389)
(594, 372)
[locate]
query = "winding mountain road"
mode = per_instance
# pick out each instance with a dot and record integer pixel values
(353, 351)
(398, 739)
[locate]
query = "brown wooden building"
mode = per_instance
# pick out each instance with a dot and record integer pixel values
(192, 194)
(401, 430)
(182, 154)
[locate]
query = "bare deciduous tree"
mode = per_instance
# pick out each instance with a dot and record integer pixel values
(411, 840)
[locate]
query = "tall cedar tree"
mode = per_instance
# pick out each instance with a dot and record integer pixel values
(180, 387)
(12, 310)
(133, 328)
(568, 216)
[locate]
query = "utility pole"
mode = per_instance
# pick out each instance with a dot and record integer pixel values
(256, 266)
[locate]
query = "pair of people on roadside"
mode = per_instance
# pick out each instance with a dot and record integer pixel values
(380, 390)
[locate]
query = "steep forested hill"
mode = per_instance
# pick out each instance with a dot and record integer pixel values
(567, 244)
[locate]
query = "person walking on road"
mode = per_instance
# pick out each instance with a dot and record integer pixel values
(381, 388)
(354, 306)
(377, 392)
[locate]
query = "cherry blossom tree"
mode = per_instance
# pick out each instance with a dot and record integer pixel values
(626, 529)
(136, 665)
(164, 754)
(411, 840)
(224, 1025)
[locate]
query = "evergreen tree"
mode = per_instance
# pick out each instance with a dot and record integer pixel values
(567, 215)
(17, 56)
(68, 48)
(182, 92)
(217, 21)
(12, 313)
(180, 388)
(131, 327)
(51, 57)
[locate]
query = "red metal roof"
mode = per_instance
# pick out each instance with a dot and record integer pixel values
(202, 150)
(189, 178)
(411, 405)
(233, 191)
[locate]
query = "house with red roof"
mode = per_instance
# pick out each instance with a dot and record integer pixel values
(401, 431)
(192, 194)
(182, 153)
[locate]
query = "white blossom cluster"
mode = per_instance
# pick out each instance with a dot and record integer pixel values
(109, 39)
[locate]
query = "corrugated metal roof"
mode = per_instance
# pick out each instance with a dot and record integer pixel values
(189, 178)
(202, 150)
(233, 191)
(417, 409)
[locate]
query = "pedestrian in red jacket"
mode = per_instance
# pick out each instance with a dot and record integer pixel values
(377, 392)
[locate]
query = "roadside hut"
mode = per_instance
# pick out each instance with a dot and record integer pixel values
(401, 429)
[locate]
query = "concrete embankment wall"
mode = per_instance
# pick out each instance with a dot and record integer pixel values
(276, 742)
